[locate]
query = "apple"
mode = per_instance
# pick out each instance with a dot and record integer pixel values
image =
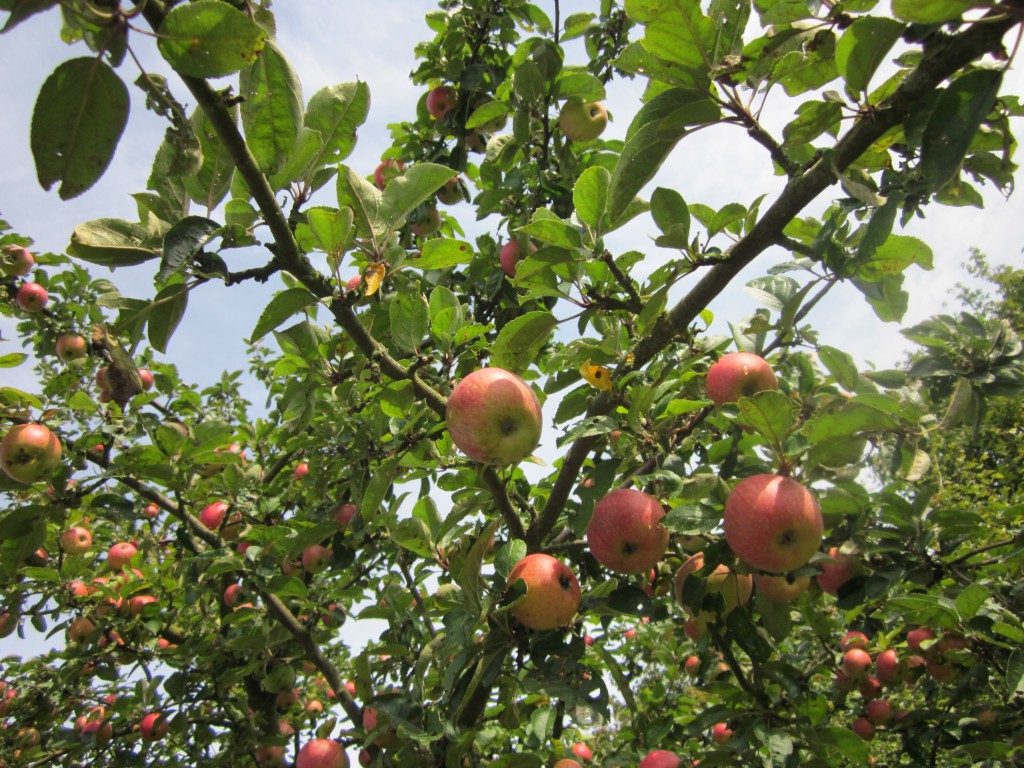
(351, 688)
(213, 515)
(870, 688)
(837, 571)
(280, 677)
(32, 297)
(452, 192)
(721, 733)
(864, 728)
(16, 261)
(694, 629)
(146, 376)
(313, 708)
(120, 555)
(269, 756)
(441, 101)
(773, 523)
(71, 346)
(386, 171)
(76, 540)
(567, 762)
(629, 634)
(99, 731)
(887, 666)
(856, 663)
(232, 594)
(552, 592)
(582, 121)
(916, 639)
(154, 726)
(151, 511)
(588, 639)
(8, 623)
(781, 589)
(582, 751)
(344, 514)
(625, 533)
(29, 452)
(300, 471)
(80, 629)
(27, 738)
(941, 669)
(735, 588)
(879, 712)
(692, 665)
(354, 283)
(428, 223)
(739, 374)
(509, 256)
(853, 640)
(494, 417)
(660, 758)
(286, 698)
(316, 558)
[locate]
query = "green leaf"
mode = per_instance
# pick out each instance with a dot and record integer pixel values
(930, 11)
(212, 182)
(547, 228)
(410, 320)
(441, 253)
(893, 256)
(813, 119)
(335, 113)
(378, 488)
(886, 297)
(692, 518)
(414, 187)
(1014, 681)
(111, 243)
(365, 199)
(770, 414)
(182, 242)
(954, 122)
(747, 636)
(847, 744)
(850, 419)
(280, 308)
(671, 214)
(330, 226)
(590, 195)
(166, 312)
(521, 340)
(970, 600)
(77, 122)
(492, 111)
(841, 366)
(676, 32)
(862, 47)
(773, 291)
(23, 9)
(271, 108)
(209, 38)
(12, 359)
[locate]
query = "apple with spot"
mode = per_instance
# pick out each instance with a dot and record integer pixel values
(71, 346)
(76, 540)
(32, 297)
(581, 120)
(442, 100)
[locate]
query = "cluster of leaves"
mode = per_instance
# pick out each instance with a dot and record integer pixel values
(359, 402)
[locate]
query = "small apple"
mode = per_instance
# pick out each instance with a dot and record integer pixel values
(582, 751)
(917, 638)
(428, 223)
(781, 589)
(138, 602)
(660, 758)
(146, 377)
(351, 688)
(870, 688)
(269, 756)
(856, 663)
(509, 256)
(80, 629)
(29, 452)
(27, 738)
(494, 417)
(76, 540)
(773, 523)
(285, 699)
(344, 514)
(692, 665)
(280, 677)
(721, 733)
(316, 558)
(441, 101)
(300, 471)
(694, 629)
(71, 346)
(8, 623)
(232, 594)
(386, 171)
(853, 639)
(16, 261)
(864, 728)
(837, 571)
(625, 533)
(567, 762)
(120, 555)
(879, 712)
(735, 588)
(151, 511)
(582, 121)
(213, 515)
(32, 297)
(154, 726)
(452, 192)
(552, 592)
(354, 283)
(98, 731)
(739, 374)
(887, 666)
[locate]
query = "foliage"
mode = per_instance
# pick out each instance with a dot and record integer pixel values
(360, 369)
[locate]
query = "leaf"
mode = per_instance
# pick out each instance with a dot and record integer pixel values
(373, 276)
(730, 214)
(670, 213)
(597, 376)
(769, 413)
(280, 308)
(166, 312)
(862, 48)
(1014, 681)
(850, 419)
(271, 108)
(335, 113)
(930, 11)
(441, 253)
(378, 488)
(182, 242)
(520, 341)
(893, 256)
(209, 38)
(747, 636)
(405, 193)
(954, 122)
(24, 9)
(12, 359)
(110, 243)
(330, 226)
(548, 228)
(590, 195)
(365, 199)
(676, 32)
(79, 116)
(212, 182)
(410, 320)
(773, 291)
(841, 366)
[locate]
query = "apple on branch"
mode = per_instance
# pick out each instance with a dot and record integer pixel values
(441, 101)
(76, 540)
(386, 171)
(71, 346)
(16, 261)
(29, 452)
(625, 533)
(781, 589)
(660, 758)
(739, 374)
(552, 592)
(494, 417)
(509, 255)
(735, 588)
(321, 753)
(582, 120)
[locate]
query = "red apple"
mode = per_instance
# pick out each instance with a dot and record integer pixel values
(8, 623)
(552, 592)
(16, 261)
(300, 471)
(625, 533)
(879, 712)
(694, 629)
(582, 121)
(99, 731)
(32, 297)
(120, 555)
(71, 346)
(781, 589)
(213, 515)
(316, 558)
(582, 751)
(29, 452)
(80, 629)
(269, 756)
(76, 540)
(856, 663)
(428, 222)
(660, 758)
(692, 665)
(494, 417)
(567, 762)
(354, 283)
(232, 594)
(735, 588)
(773, 523)
(441, 101)
(853, 639)
(887, 666)
(151, 511)
(870, 688)
(916, 638)
(864, 728)
(154, 726)
(837, 571)
(721, 733)
(739, 374)
(344, 514)
(386, 171)
(509, 256)
(350, 687)
(146, 376)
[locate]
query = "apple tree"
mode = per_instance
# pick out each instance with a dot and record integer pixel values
(737, 550)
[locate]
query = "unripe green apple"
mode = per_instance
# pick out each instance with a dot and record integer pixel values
(582, 121)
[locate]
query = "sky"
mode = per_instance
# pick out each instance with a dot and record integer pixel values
(332, 41)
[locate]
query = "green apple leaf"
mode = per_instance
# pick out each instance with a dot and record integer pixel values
(182, 242)
(520, 341)
(212, 182)
(441, 253)
(335, 113)
(410, 321)
(850, 419)
(209, 38)
(166, 312)
(413, 188)
(771, 414)
(271, 108)
(111, 243)
(590, 195)
(546, 227)
(931, 11)
(841, 366)
(862, 47)
(281, 307)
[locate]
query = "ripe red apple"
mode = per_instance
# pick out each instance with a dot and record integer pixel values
(452, 192)
(916, 638)
(853, 639)
(32, 297)
(76, 540)
(781, 589)
(735, 588)
(660, 758)
(863, 728)
(213, 514)
(837, 571)
(146, 376)
(582, 121)
(721, 733)
(773, 523)
(300, 471)
(879, 712)
(441, 101)
(154, 726)
(739, 374)
(582, 751)
(8, 623)
(351, 688)
(29, 452)
(694, 629)
(870, 688)
(386, 171)
(552, 592)
(692, 665)
(625, 533)
(16, 261)
(344, 514)
(99, 731)
(120, 555)
(856, 663)
(151, 511)
(428, 222)
(316, 558)
(887, 666)
(232, 594)
(138, 602)
(354, 283)
(494, 417)
(71, 346)
(509, 256)
(567, 762)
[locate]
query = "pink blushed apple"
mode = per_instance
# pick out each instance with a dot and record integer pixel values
(879, 712)
(494, 417)
(71, 346)
(16, 261)
(739, 374)
(660, 758)
(582, 751)
(773, 523)
(452, 192)
(721, 733)
(625, 533)
(344, 515)
(29, 452)
(837, 570)
(32, 297)
(864, 728)
(386, 171)
(300, 471)
(856, 663)
(552, 592)
(853, 639)
(567, 762)
(321, 753)
(120, 555)
(315, 558)
(510, 258)
(154, 726)
(441, 101)
(887, 666)
(76, 540)
(146, 377)
(692, 665)
(213, 515)
(918, 640)
(781, 589)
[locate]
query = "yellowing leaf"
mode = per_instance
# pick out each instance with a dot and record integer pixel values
(373, 275)
(597, 376)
